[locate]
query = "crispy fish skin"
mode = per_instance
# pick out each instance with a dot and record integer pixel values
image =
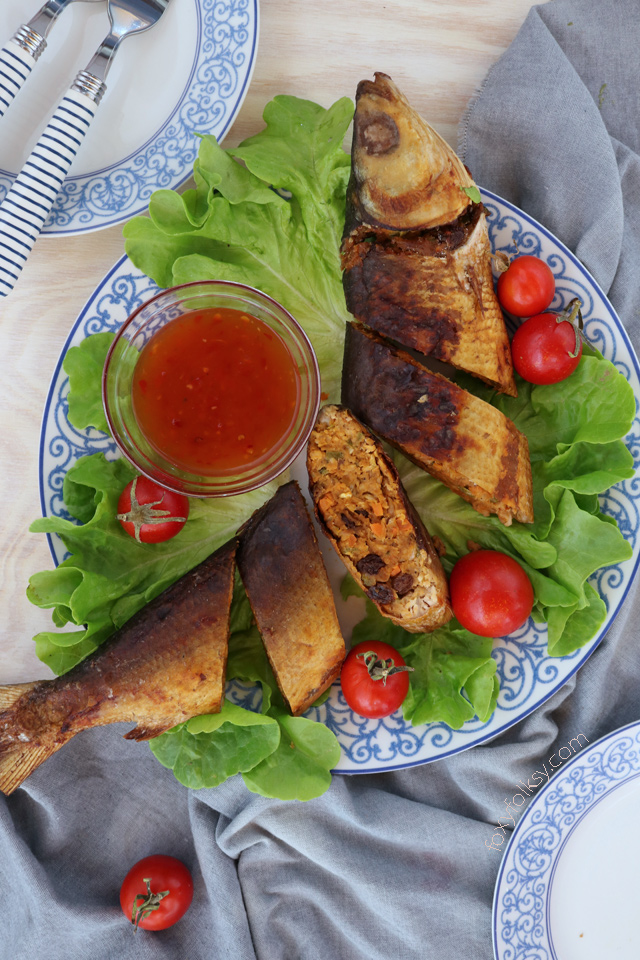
(433, 292)
(404, 176)
(165, 665)
(415, 253)
(462, 441)
(284, 575)
(363, 509)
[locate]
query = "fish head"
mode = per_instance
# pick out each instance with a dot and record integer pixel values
(404, 175)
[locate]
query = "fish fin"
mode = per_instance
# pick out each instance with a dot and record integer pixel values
(13, 692)
(148, 732)
(19, 760)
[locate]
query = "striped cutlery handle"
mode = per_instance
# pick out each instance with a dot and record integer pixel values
(17, 58)
(27, 205)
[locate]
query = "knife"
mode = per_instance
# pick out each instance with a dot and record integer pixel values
(20, 53)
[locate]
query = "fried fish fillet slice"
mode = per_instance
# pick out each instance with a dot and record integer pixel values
(404, 176)
(284, 575)
(415, 252)
(363, 509)
(459, 439)
(433, 292)
(162, 667)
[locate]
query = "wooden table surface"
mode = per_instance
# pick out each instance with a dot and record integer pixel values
(437, 51)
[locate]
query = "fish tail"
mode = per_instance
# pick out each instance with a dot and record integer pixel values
(13, 692)
(18, 758)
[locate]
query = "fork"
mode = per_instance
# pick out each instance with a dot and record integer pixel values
(28, 203)
(19, 54)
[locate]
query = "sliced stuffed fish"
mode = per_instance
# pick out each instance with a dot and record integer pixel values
(164, 666)
(363, 509)
(287, 585)
(464, 442)
(415, 251)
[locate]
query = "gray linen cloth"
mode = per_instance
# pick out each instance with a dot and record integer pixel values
(392, 866)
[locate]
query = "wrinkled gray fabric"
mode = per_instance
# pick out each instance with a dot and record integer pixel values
(391, 866)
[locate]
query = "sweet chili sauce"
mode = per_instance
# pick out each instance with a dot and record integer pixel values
(215, 390)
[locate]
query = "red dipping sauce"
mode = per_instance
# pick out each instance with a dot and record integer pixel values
(215, 390)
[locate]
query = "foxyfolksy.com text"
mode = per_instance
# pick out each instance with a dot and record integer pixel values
(527, 787)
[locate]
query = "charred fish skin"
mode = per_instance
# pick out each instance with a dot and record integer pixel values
(462, 441)
(430, 295)
(416, 255)
(289, 591)
(162, 667)
(364, 511)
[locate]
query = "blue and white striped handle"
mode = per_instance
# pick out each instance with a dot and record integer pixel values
(28, 203)
(17, 59)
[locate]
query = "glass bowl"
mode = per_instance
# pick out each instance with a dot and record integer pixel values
(118, 380)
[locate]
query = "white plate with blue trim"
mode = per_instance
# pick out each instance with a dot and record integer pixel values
(528, 676)
(568, 882)
(187, 76)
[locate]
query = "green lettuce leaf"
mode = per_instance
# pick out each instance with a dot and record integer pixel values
(235, 226)
(205, 751)
(109, 576)
(300, 767)
(248, 662)
(83, 365)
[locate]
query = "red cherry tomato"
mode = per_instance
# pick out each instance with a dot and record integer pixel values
(491, 595)
(545, 350)
(150, 513)
(366, 695)
(526, 287)
(160, 889)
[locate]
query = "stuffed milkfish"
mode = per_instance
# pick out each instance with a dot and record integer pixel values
(459, 439)
(364, 511)
(415, 252)
(291, 598)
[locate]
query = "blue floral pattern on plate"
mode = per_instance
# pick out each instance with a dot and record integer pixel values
(528, 676)
(223, 60)
(522, 927)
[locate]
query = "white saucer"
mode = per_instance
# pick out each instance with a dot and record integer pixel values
(187, 75)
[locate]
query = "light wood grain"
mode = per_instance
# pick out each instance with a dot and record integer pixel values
(437, 51)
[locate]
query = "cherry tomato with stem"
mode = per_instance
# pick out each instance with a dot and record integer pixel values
(156, 892)
(526, 287)
(375, 679)
(547, 348)
(491, 595)
(150, 513)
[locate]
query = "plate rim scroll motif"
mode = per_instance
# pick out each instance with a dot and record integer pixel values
(521, 915)
(224, 56)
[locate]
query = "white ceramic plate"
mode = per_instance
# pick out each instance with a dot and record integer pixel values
(187, 75)
(528, 676)
(568, 883)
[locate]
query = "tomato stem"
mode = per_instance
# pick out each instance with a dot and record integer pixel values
(570, 313)
(143, 513)
(501, 261)
(150, 902)
(380, 669)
